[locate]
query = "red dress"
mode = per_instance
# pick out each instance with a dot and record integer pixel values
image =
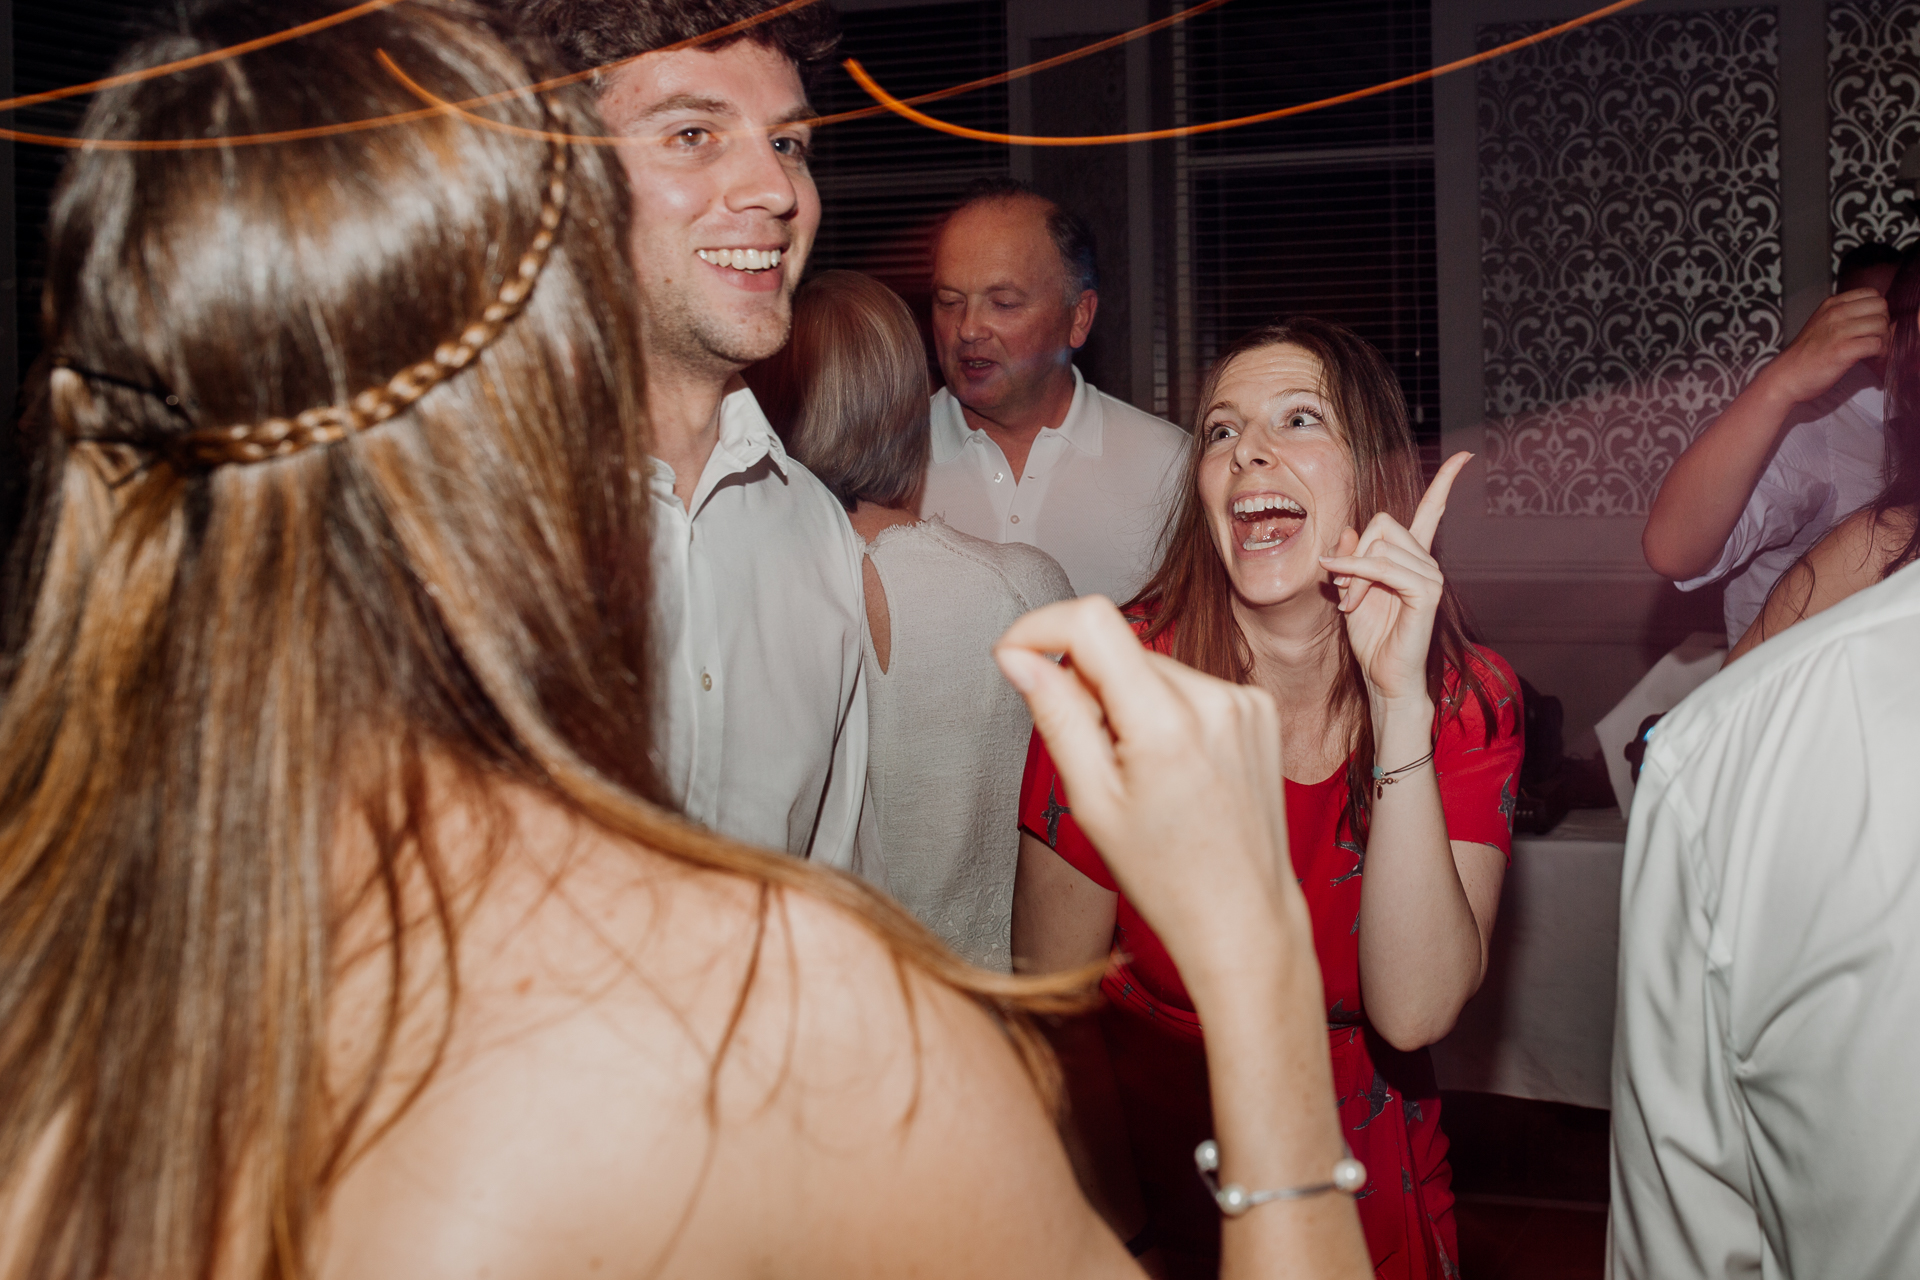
(1388, 1102)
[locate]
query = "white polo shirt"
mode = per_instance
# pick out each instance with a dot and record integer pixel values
(759, 611)
(1767, 1032)
(1095, 495)
(1827, 467)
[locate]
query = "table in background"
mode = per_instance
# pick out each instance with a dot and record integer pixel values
(1541, 1025)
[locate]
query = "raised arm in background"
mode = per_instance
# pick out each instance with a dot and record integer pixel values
(1709, 485)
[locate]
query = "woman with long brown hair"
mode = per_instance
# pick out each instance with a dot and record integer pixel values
(1300, 562)
(343, 931)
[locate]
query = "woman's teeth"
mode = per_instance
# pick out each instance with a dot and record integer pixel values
(741, 259)
(1273, 519)
(1245, 508)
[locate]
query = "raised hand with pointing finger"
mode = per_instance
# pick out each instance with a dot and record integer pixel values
(1390, 591)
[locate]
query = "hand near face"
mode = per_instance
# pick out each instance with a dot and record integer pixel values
(1848, 328)
(1390, 587)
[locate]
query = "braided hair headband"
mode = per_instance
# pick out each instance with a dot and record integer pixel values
(208, 447)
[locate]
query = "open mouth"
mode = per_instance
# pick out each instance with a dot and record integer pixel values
(1265, 520)
(751, 261)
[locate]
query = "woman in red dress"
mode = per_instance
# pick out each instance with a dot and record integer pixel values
(1300, 560)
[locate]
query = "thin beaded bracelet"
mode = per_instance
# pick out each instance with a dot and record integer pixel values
(1349, 1175)
(1384, 778)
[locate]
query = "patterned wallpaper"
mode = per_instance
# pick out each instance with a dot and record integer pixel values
(1630, 243)
(1873, 103)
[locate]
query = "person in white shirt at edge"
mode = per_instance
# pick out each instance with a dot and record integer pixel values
(1024, 450)
(1794, 454)
(949, 734)
(756, 571)
(1764, 1046)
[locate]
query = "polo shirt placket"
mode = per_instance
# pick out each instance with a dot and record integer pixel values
(1093, 496)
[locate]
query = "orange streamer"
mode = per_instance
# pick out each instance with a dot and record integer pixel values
(885, 101)
(321, 131)
(841, 117)
(900, 108)
(1031, 68)
(198, 59)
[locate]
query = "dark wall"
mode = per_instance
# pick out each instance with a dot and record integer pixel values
(54, 45)
(1088, 97)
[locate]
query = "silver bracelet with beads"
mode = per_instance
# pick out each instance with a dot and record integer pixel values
(1349, 1175)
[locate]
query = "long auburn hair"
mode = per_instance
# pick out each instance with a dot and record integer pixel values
(213, 671)
(1902, 492)
(1191, 595)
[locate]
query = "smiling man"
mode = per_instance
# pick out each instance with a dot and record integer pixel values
(1024, 449)
(756, 569)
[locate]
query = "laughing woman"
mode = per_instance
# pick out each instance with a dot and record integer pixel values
(1400, 754)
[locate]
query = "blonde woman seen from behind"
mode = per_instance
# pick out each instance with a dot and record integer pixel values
(949, 737)
(343, 930)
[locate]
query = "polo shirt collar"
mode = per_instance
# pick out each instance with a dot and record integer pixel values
(1081, 428)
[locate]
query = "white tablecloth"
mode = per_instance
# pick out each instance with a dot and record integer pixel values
(1541, 1025)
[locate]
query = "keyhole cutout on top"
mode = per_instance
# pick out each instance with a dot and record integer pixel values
(879, 621)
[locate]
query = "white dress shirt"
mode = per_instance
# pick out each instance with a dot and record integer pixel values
(1826, 468)
(1094, 497)
(758, 606)
(1767, 1031)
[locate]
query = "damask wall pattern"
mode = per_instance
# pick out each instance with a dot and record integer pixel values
(1873, 106)
(1630, 248)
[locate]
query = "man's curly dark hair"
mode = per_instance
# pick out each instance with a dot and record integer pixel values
(593, 33)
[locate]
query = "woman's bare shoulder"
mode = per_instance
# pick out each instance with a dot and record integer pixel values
(1850, 557)
(917, 1139)
(877, 1120)
(692, 1072)
(1860, 546)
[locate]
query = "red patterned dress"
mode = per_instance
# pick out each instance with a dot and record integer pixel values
(1389, 1104)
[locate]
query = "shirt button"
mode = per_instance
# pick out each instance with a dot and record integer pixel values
(1016, 519)
(998, 476)
(706, 682)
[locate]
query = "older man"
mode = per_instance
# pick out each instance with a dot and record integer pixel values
(1024, 449)
(757, 572)
(1764, 1042)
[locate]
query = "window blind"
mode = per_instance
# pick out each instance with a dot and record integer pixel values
(884, 181)
(1328, 213)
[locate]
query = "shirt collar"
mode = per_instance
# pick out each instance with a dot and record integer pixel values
(1081, 428)
(745, 438)
(1084, 423)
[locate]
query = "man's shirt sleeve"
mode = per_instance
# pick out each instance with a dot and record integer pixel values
(1681, 1204)
(1787, 497)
